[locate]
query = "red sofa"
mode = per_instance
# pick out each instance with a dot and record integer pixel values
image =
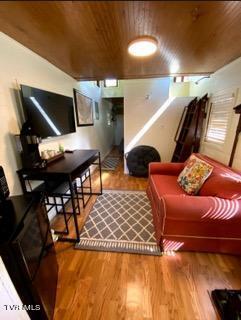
(209, 221)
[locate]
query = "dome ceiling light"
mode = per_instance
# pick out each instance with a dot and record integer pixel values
(142, 47)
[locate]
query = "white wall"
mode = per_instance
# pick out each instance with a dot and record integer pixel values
(179, 89)
(142, 99)
(227, 79)
(9, 298)
(20, 65)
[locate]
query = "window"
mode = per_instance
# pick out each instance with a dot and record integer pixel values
(219, 115)
(181, 79)
(111, 83)
(178, 79)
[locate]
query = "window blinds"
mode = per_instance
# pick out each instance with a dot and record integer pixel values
(219, 115)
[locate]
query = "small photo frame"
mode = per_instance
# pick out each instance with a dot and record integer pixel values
(97, 114)
(83, 109)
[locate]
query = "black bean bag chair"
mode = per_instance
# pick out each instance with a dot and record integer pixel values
(138, 159)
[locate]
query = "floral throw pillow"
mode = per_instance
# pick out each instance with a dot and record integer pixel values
(194, 175)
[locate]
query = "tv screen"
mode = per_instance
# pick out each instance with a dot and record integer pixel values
(49, 114)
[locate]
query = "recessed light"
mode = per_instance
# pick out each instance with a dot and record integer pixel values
(142, 47)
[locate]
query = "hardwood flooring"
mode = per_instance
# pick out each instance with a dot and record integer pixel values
(116, 286)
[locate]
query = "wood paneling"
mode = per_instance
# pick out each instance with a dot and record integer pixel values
(89, 39)
(118, 286)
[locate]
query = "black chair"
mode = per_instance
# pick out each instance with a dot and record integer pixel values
(59, 199)
(57, 196)
(84, 186)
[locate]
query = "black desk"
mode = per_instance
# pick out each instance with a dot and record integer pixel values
(67, 169)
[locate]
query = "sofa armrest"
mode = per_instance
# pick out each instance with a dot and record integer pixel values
(197, 208)
(168, 168)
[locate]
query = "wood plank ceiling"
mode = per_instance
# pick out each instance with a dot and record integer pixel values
(89, 39)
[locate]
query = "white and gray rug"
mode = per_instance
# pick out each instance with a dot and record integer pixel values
(110, 163)
(120, 221)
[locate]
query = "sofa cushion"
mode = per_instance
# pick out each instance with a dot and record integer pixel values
(162, 184)
(225, 187)
(194, 175)
(224, 182)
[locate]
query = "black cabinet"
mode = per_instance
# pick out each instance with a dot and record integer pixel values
(27, 249)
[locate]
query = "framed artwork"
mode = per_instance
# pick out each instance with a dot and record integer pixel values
(97, 115)
(83, 109)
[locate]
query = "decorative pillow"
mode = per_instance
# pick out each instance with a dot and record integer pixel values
(194, 175)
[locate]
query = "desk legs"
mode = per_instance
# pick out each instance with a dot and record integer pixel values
(100, 172)
(72, 192)
(100, 176)
(76, 227)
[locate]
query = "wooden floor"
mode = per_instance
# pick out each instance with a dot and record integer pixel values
(115, 286)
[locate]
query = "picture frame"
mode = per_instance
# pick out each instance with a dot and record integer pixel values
(83, 109)
(97, 113)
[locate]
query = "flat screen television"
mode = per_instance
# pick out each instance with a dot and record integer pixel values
(50, 114)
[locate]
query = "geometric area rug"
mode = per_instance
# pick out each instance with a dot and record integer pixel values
(110, 163)
(120, 221)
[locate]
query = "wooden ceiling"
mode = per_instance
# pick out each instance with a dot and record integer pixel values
(89, 39)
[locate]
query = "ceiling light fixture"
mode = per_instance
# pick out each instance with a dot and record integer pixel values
(142, 47)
